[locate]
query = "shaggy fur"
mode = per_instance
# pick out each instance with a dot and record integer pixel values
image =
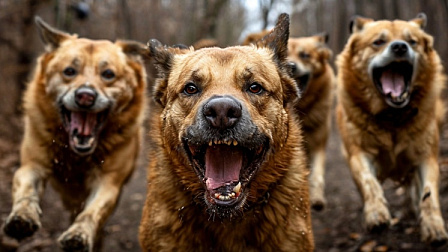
(83, 120)
(309, 60)
(389, 114)
(185, 210)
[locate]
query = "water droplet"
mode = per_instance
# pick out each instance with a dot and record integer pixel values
(297, 209)
(102, 161)
(181, 208)
(54, 141)
(65, 146)
(303, 233)
(301, 199)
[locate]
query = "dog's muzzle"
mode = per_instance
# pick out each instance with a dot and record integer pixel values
(302, 77)
(392, 73)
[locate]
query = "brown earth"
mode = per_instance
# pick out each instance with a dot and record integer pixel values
(337, 228)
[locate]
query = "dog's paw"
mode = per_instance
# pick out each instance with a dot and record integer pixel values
(20, 226)
(75, 241)
(433, 231)
(376, 217)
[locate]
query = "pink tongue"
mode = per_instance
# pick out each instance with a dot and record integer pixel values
(222, 165)
(392, 83)
(83, 122)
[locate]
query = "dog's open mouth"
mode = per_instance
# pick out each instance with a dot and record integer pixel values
(225, 168)
(394, 81)
(83, 128)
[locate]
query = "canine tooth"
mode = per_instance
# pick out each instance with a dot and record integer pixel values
(215, 141)
(217, 195)
(235, 142)
(237, 188)
(210, 143)
(222, 197)
(405, 95)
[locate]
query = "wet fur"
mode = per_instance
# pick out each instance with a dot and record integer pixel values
(175, 216)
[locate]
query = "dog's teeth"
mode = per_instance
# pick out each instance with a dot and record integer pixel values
(235, 143)
(405, 95)
(237, 188)
(91, 141)
(210, 143)
(217, 195)
(215, 141)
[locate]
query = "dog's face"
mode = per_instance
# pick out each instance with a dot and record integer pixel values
(222, 110)
(391, 53)
(307, 58)
(89, 81)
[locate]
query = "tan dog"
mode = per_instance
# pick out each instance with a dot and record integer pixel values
(309, 61)
(227, 170)
(389, 113)
(83, 121)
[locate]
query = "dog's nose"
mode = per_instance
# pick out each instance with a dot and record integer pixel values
(293, 68)
(399, 48)
(222, 112)
(85, 97)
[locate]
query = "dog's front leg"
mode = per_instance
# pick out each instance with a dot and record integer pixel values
(316, 179)
(425, 196)
(27, 187)
(82, 233)
(376, 213)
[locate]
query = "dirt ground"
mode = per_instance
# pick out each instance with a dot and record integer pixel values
(337, 228)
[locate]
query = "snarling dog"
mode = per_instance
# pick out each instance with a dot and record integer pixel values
(227, 170)
(84, 109)
(309, 61)
(389, 114)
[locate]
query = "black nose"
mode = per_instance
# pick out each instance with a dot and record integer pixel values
(222, 112)
(85, 97)
(293, 68)
(399, 48)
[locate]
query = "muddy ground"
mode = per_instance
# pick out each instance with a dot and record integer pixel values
(336, 228)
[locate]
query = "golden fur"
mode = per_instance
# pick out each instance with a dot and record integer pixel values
(309, 59)
(89, 176)
(271, 211)
(389, 135)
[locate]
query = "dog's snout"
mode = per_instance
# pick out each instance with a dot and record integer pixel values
(222, 112)
(293, 67)
(85, 97)
(399, 48)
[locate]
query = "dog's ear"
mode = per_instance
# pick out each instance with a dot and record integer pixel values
(133, 49)
(357, 23)
(322, 37)
(277, 40)
(51, 37)
(420, 20)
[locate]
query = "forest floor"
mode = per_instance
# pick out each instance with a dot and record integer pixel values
(336, 228)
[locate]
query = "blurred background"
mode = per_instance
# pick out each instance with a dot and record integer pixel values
(187, 21)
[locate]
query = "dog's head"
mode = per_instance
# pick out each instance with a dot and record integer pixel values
(224, 114)
(89, 81)
(307, 58)
(391, 53)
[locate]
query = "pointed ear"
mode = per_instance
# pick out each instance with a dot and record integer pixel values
(51, 37)
(357, 23)
(134, 49)
(322, 37)
(420, 20)
(277, 40)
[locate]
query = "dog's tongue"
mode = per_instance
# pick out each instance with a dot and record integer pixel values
(82, 123)
(392, 83)
(222, 165)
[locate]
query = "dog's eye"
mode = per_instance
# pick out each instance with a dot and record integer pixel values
(379, 42)
(190, 89)
(412, 42)
(69, 72)
(108, 74)
(304, 55)
(255, 88)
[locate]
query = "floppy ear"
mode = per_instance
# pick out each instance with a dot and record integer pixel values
(357, 23)
(277, 40)
(51, 37)
(420, 20)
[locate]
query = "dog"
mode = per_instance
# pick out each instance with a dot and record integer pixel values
(309, 61)
(83, 113)
(227, 168)
(389, 113)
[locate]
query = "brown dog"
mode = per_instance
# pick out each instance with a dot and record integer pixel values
(227, 170)
(309, 61)
(83, 121)
(389, 113)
